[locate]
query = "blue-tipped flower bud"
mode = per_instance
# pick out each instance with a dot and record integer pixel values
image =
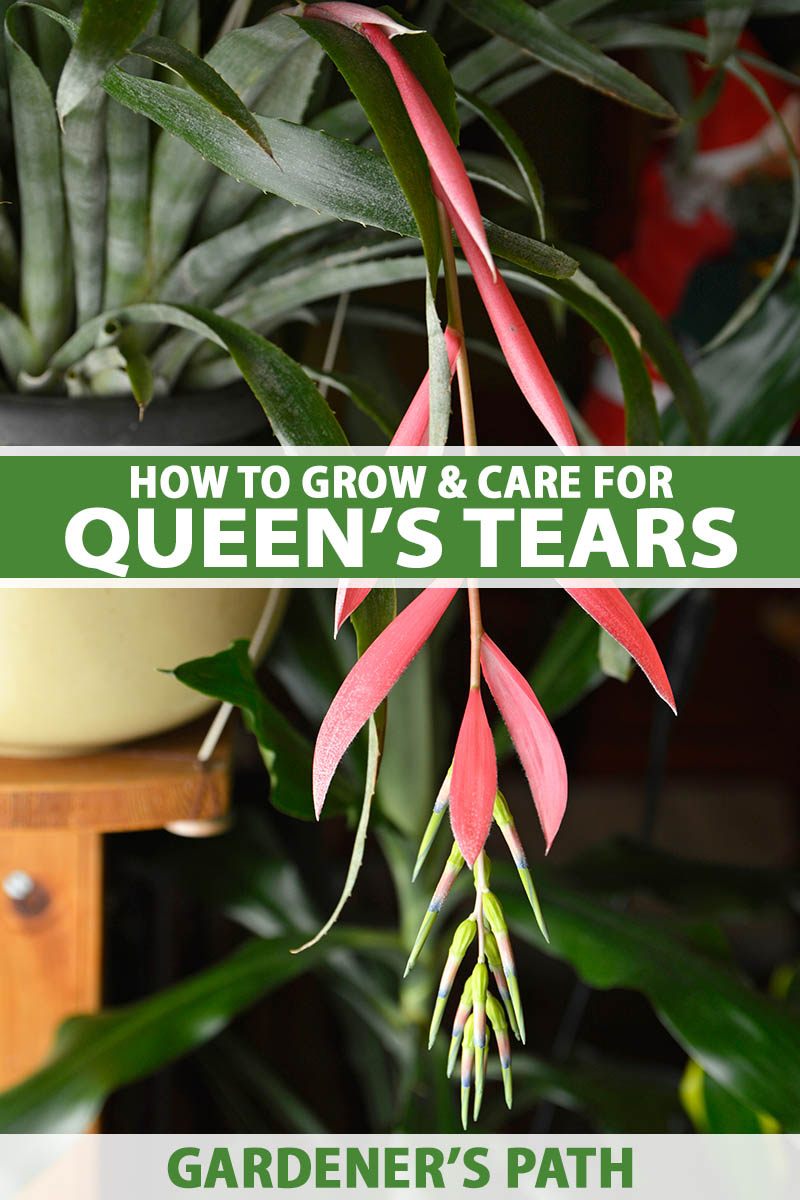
(452, 867)
(503, 818)
(497, 1018)
(432, 828)
(462, 939)
(497, 924)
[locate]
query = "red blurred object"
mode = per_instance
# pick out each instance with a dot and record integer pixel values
(681, 216)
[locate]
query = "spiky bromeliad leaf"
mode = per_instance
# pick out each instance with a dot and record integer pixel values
(516, 148)
(107, 31)
(287, 94)
(247, 60)
(127, 224)
(320, 172)
(204, 80)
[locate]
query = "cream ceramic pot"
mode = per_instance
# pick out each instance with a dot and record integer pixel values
(79, 666)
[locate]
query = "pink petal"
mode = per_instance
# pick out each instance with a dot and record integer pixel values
(532, 735)
(609, 608)
(521, 352)
(413, 429)
(370, 681)
(354, 16)
(474, 782)
(347, 601)
(437, 143)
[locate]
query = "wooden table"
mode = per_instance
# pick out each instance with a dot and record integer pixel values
(53, 814)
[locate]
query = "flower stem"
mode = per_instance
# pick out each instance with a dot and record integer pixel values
(480, 888)
(455, 320)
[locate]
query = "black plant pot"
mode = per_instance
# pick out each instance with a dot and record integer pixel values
(225, 417)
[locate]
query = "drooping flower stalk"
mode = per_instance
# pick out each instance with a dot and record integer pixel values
(470, 788)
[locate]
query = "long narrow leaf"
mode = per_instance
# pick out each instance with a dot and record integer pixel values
(516, 148)
(725, 20)
(657, 339)
(537, 33)
(245, 59)
(204, 80)
(18, 350)
(749, 1044)
(9, 250)
(287, 94)
(127, 220)
(208, 269)
(374, 618)
(84, 159)
(95, 1055)
(297, 412)
(106, 33)
(46, 297)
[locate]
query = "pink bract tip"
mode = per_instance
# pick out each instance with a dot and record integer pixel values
(532, 735)
(609, 608)
(347, 601)
(370, 681)
(355, 16)
(474, 782)
(516, 341)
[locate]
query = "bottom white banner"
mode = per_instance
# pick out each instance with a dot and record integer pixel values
(129, 1167)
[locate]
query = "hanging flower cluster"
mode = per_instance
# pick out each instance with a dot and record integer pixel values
(470, 789)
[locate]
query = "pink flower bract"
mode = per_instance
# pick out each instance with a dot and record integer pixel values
(370, 681)
(516, 341)
(355, 16)
(609, 608)
(532, 735)
(436, 141)
(474, 781)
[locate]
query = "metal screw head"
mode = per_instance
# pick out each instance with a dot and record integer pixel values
(18, 885)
